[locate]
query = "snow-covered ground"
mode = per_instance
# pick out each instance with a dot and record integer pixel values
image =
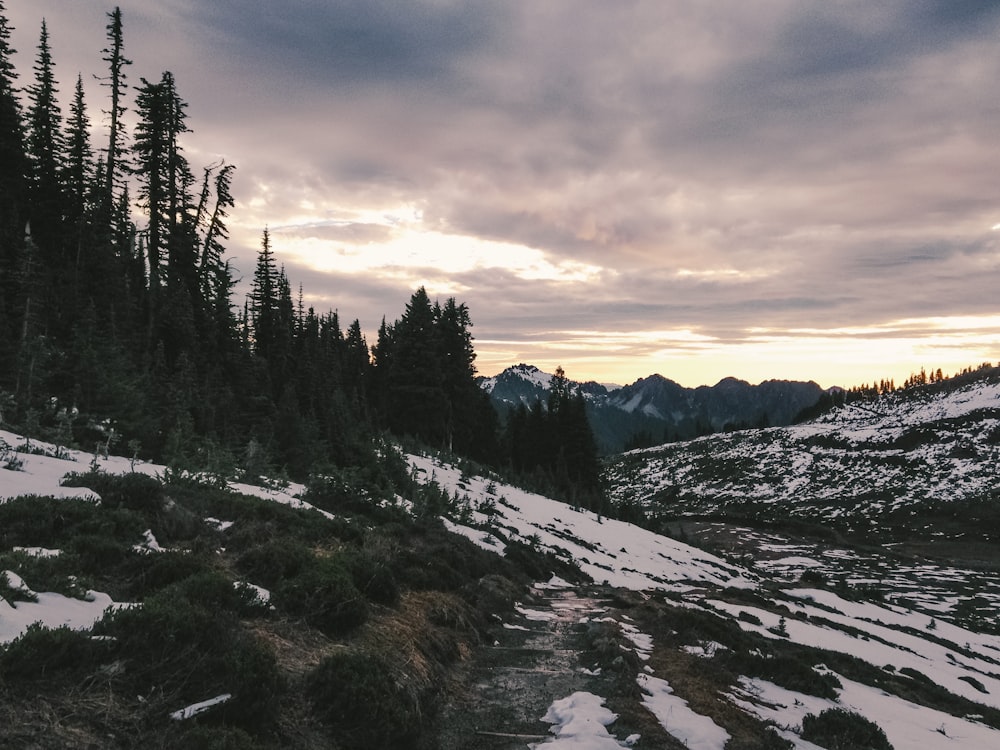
(888, 635)
(865, 459)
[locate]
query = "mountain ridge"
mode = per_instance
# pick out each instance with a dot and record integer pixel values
(655, 409)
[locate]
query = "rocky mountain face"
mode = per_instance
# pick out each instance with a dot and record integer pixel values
(655, 410)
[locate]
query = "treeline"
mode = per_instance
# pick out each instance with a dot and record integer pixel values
(552, 447)
(118, 322)
(915, 379)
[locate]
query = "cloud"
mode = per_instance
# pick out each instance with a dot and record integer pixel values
(716, 167)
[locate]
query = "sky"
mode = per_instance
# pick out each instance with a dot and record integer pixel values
(701, 189)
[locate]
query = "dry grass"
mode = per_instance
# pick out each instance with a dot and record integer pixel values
(426, 633)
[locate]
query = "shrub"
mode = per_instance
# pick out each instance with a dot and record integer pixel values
(97, 552)
(792, 672)
(134, 491)
(48, 522)
(324, 595)
(211, 589)
(190, 652)
(372, 574)
(837, 729)
(40, 652)
(273, 561)
(356, 693)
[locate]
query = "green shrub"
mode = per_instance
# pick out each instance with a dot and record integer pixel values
(133, 491)
(211, 589)
(97, 551)
(371, 572)
(49, 522)
(357, 694)
(41, 654)
(274, 561)
(190, 652)
(324, 594)
(792, 672)
(837, 729)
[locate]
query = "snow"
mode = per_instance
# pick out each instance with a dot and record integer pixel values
(696, 731)
(50, 610)
(149, 543)
(609, 551)
(881, 645)
(37, 551)
(261, 594)
(196, 708)
(580, 722)
(535, 615)
(908, 726)
(219, 525)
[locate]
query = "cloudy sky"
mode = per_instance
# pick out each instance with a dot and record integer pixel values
(767, 189)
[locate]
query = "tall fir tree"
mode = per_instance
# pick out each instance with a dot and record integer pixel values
(13, 201)
(116, 81)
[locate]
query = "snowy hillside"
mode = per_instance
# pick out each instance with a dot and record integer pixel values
(892, 640)
(719, 644)
(859, 464)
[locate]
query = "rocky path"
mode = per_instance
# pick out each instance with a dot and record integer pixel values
(536, 659)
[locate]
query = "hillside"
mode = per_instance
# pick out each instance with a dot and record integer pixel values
(615, 635)
(655, 409)
(905, 453)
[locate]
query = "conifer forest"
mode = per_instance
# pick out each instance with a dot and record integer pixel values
(121, 326)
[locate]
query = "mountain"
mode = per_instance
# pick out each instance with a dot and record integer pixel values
(655, 409)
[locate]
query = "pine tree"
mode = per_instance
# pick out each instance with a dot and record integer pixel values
(116, 81)
(417, 403)
(80, 158)
(164, 184)
(13, 201)
(45, 146)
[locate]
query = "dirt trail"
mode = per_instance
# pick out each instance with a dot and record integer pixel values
(509, 685)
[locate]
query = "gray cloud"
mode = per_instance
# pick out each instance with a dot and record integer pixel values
(834, 164)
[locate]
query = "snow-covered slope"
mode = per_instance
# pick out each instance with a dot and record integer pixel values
(906, 449)
(754, 594)
(891, 638)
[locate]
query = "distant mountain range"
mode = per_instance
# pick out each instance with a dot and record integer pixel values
(655, 410)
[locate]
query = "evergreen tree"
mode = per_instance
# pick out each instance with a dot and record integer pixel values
(116, 82)
(417, 403)
(164, 190)
(79, 158)
(45, 149)
(13, 200)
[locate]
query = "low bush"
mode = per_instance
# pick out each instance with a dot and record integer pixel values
(324, 594)
(189, 652)
(133, 491)
(33, 521)
(837, 729)
(790, 671)
(371, 572)
(357, 694)
(41, 654)
(211, 589)
(270, 563)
